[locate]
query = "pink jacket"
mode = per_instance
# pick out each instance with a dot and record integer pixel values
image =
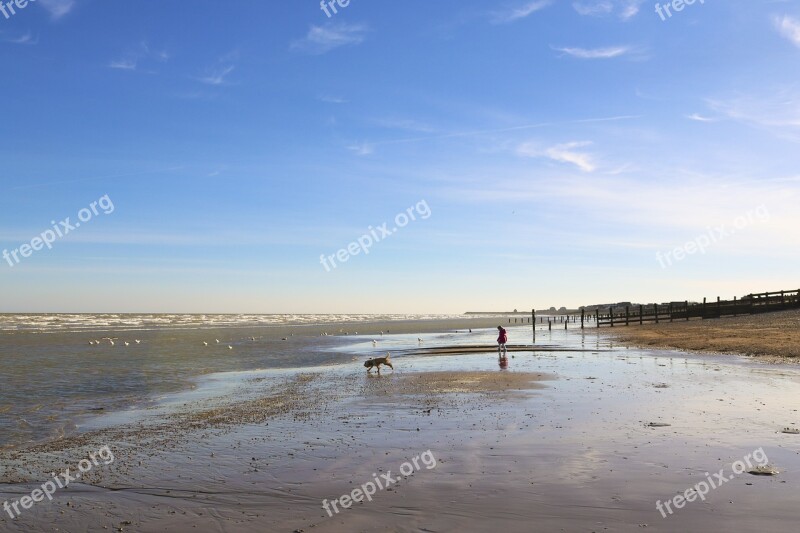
(503, 338)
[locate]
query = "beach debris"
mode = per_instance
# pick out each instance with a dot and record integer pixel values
(127, 343)
(205, 343)
(661, 386)
(657, 425)
(765, 470)
(137, 341)
(791, 431)
(217, 340)
(285, 339)
(230, 347)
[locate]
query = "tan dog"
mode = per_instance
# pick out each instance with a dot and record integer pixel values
(377, 362)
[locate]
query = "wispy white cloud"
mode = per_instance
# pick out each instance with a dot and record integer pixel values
(57, 8)
(138, 53)
(217, 75)
(630, 9)
(361, 148)
(662, 210)
(123, 64)
(789, 27)
(26, 38)
(323, 39)
(699, 118)
(519, 12)
(777, 111)
(593, 8)
(625, 9)
(562, 153)
(404, 124)
(493, 131)
(596, 53)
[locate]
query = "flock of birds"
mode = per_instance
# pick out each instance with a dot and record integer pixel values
(138, 341)
(111, 341)
(230, 347)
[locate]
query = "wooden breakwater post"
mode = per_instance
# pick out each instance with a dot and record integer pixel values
(533, 324)
(748, 305)
(583, 315)
(549, 325)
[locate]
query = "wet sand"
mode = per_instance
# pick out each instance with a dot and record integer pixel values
(559, 441)
(772, 337)
(52, 381)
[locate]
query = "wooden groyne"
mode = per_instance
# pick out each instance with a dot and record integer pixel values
(764, 302)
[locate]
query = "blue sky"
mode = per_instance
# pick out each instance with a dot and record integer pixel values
(559, 145)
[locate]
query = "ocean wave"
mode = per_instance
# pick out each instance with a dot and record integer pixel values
(89, 322)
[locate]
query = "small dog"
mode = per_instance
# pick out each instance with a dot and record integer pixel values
(377, 362)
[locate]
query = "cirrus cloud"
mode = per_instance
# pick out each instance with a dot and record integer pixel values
(323, 39)
(595, 53)
(562, 153)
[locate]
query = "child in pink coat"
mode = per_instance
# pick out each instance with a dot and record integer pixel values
(502, 339)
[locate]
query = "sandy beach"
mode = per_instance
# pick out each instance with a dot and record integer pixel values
(576, 435)
(769, 336)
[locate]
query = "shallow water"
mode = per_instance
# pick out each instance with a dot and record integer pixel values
(52, 378)
(577, 454)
